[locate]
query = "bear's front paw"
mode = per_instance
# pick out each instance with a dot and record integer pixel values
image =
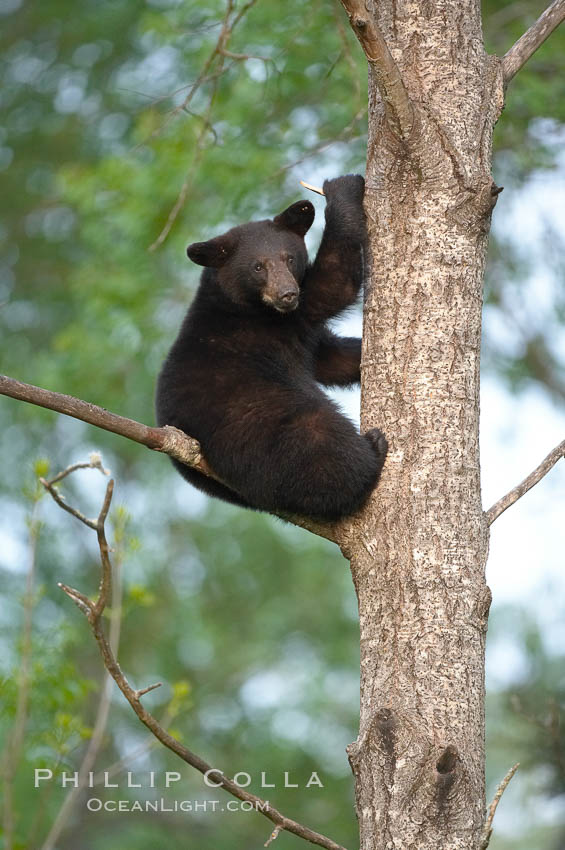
(350, 188)
(344, 207)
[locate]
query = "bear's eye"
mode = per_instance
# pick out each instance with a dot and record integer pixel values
(258, 267)
(291, 261)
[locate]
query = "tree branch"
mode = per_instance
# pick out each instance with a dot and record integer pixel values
(398, 106)
(169, 440)
(94, 611)
(527, 45)
(529, 482)
(115, 593)
(487, 829)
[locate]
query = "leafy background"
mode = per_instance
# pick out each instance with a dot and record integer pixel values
(111, 117)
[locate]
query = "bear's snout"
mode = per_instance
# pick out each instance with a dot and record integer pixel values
(290, 298)
(281, 289)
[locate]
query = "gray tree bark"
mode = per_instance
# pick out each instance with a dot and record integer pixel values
(419, 549)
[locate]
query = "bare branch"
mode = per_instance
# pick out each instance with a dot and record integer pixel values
(529, 482)
(105, 592)
(149, 688)
(106, 504)
(91, 753)
(169, 440)
(91, 523)
(487, 830)
(95, 462)
(527, 45)
(82, 602)
(93, 612)
(272, 837)
(398, 106)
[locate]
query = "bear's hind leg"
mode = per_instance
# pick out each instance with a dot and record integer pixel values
(324, 468)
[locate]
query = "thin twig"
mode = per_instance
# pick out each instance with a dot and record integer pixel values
(487, 829)
(74, 794)
(82, 602)
(172, 113)
(222, 40)
(312, 188)
(190, 177)
(105, 592)
(94, 612)
(243, 57)
(527, 45)
(218, 55)
(91, 523)
(242, 12)
(146, 690)
(272, 837)
(398, 106)
(95, 462)
(529, 482)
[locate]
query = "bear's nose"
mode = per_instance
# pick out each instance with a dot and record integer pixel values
(289, 297)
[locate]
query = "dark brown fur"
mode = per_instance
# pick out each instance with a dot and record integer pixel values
(243, 374)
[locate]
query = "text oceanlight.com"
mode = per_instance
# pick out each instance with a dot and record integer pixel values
(95, 804)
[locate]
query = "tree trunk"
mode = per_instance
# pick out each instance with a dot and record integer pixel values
(418, 551)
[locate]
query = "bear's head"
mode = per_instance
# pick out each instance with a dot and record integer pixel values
(262, 262)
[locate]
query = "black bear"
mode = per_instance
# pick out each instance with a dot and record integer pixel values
(243, 375)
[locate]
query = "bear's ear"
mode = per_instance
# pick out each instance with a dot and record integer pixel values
(214, 253)
(298, 217)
